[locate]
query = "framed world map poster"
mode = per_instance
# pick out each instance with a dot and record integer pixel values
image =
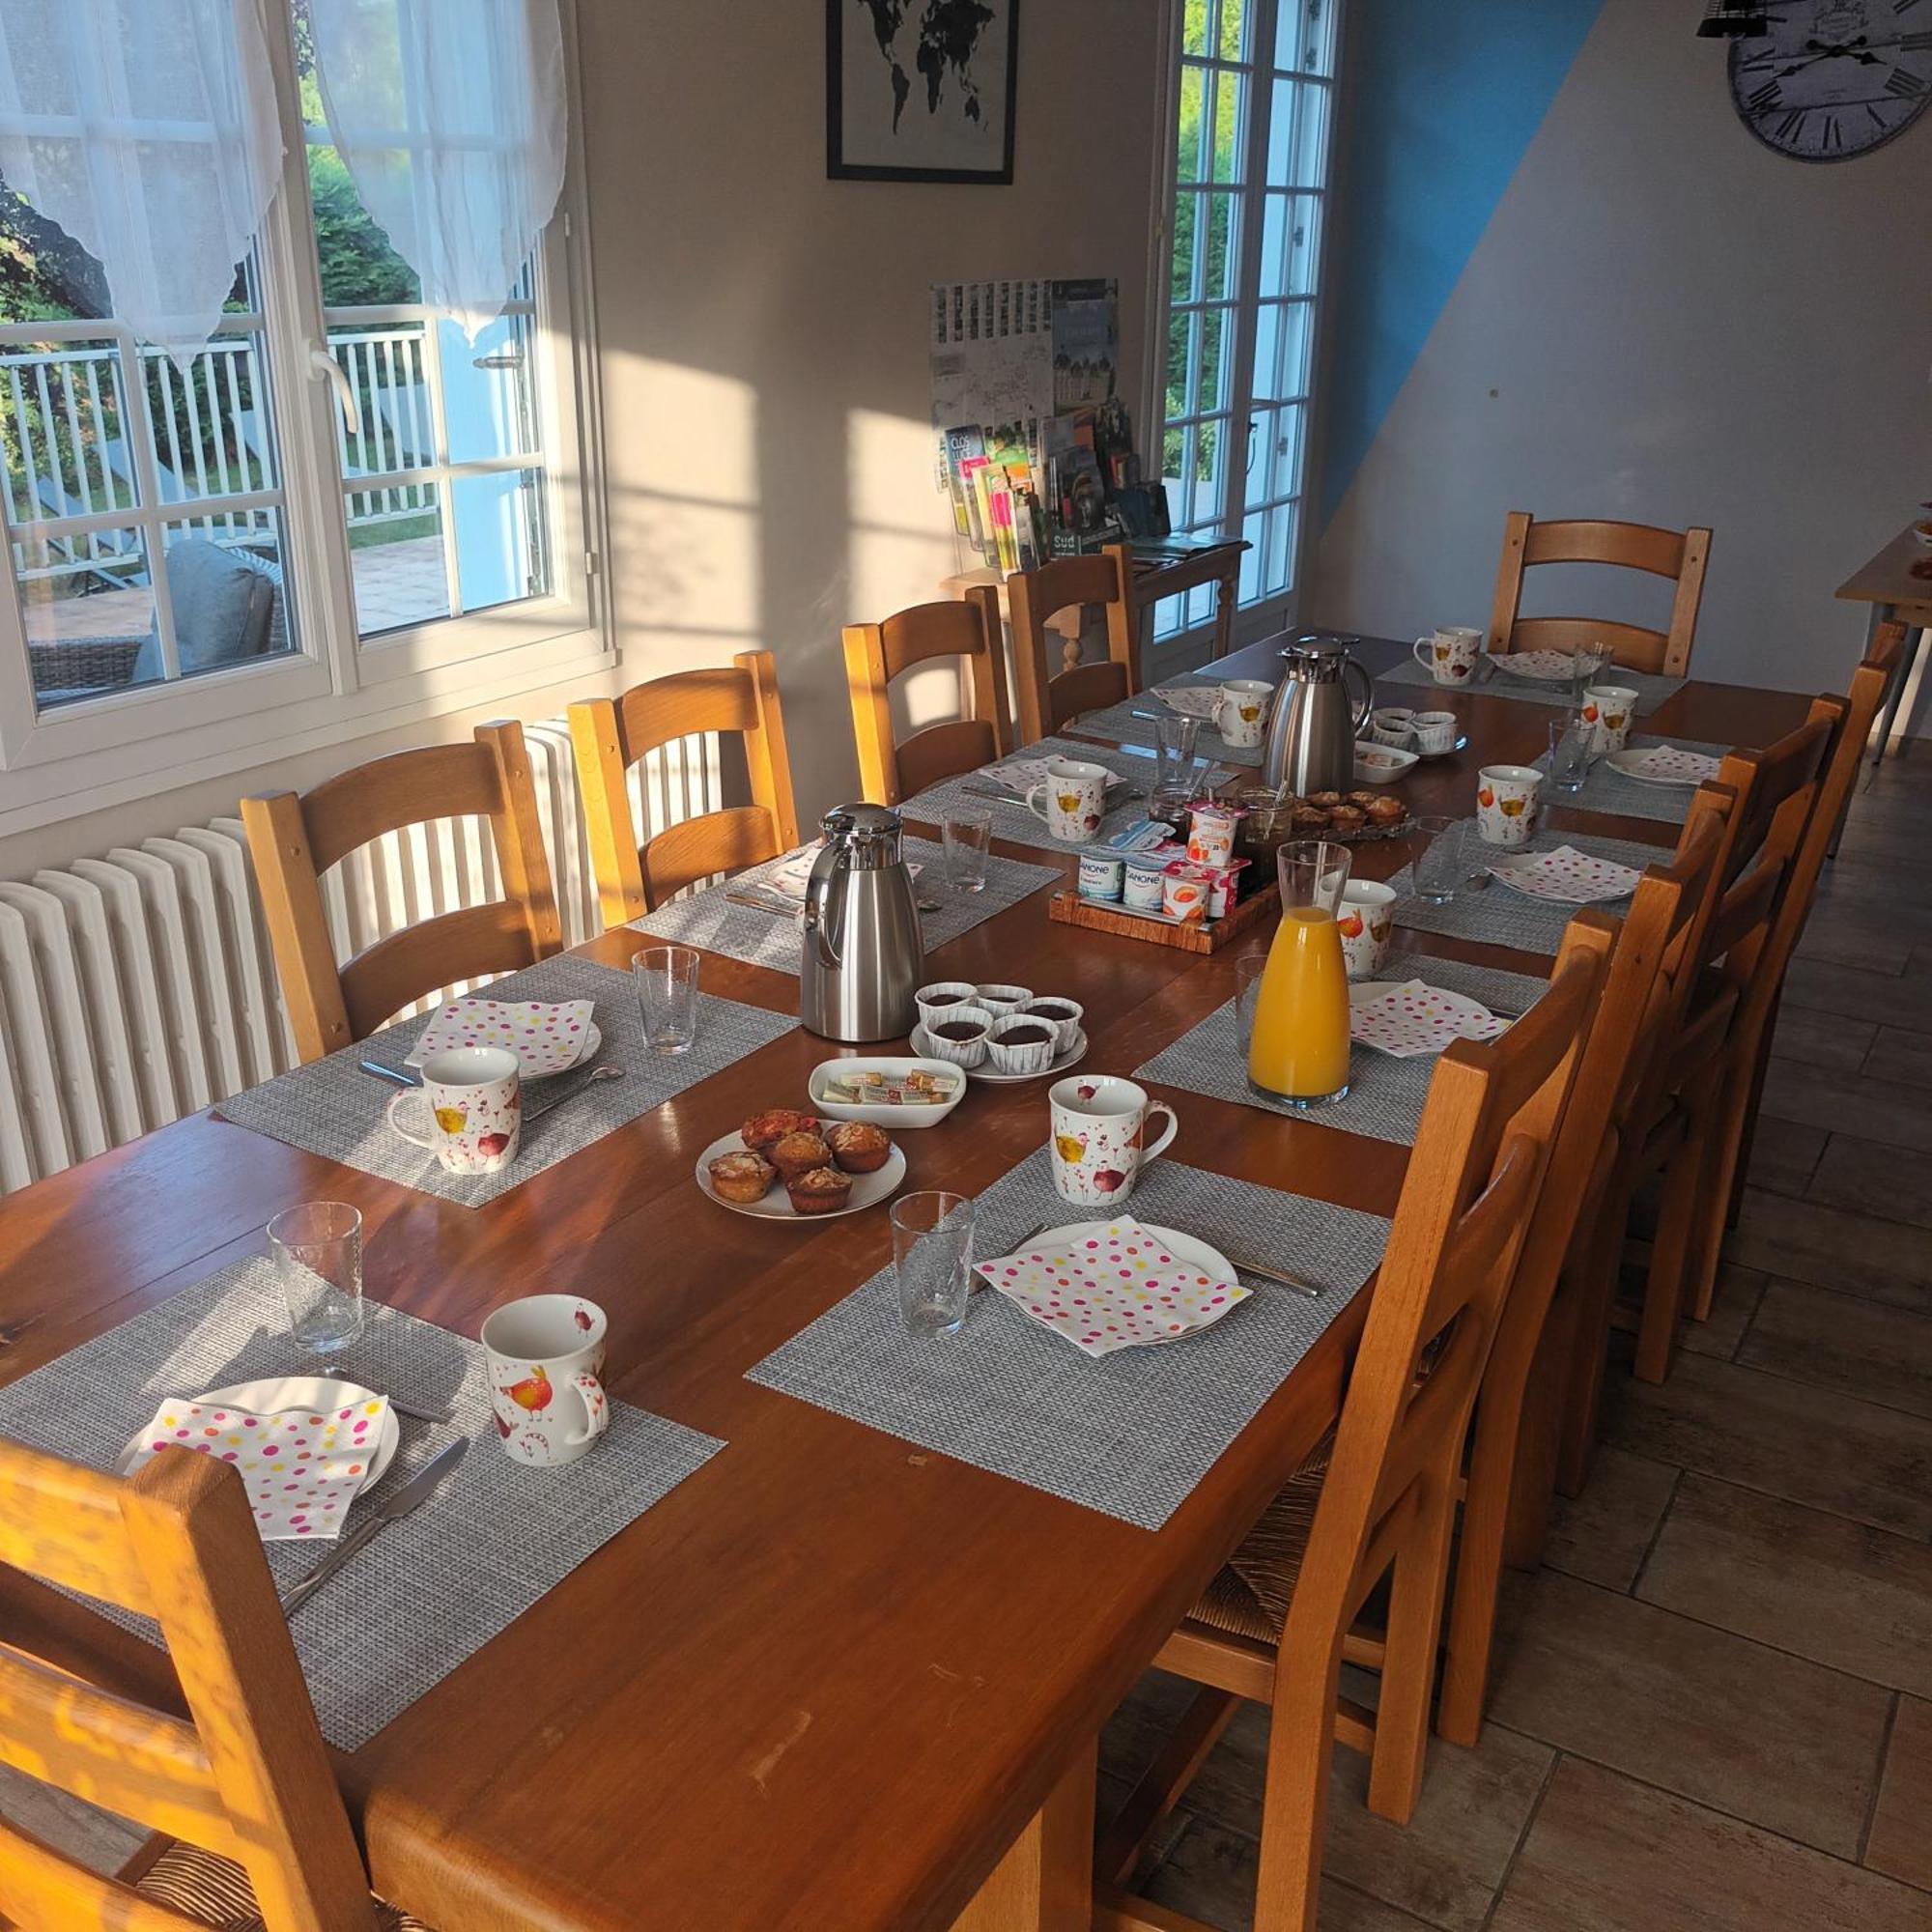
(920, 89)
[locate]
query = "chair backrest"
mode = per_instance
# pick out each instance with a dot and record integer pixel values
(295, 838)
(1473, 1183)
(245, 1776)
(1047, 699)
(1678, 555)
(608, 737)
(968, 630)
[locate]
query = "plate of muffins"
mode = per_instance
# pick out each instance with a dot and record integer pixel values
(783, 1165)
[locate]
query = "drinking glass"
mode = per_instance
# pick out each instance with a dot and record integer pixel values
(1439, 858)
(666, 977)
(1174, 768)
(967, 832)
(1249, 970)
(1572, 750)
(317, 1249)
(932, 1259)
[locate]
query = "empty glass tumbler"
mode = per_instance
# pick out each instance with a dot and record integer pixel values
(317, 1249)
(932, 1259)
(1439, 858)
(967, 832)
(666, 977)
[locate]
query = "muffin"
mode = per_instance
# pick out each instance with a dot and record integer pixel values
(819, 1190)
(798, 1154)
(1386, 810)
(1346, 818)
(1021, 1043)
(763, 1131)
(858, 1147)
(741, 1176)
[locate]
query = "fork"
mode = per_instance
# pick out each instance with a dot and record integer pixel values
(1033, 1233)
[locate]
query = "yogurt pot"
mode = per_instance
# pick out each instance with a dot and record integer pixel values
(1184, 892)
(1102, 876)
(1141, 889)
(1222, 885)
(1210, 834)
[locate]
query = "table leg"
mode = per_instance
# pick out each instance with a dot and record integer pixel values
(1881, 614)
(1226, 594)
(1046, 1881)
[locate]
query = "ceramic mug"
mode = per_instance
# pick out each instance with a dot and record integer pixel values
(1507, 798)
(1241, 709)
(468, 1109)
(1449, 653)
(1366, 921)
(546, 1360)
(1435, 731)
(1072, 799)
(1100, 1137)
(1608, 709)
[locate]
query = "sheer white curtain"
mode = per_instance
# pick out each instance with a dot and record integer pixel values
(147, 130)
(450, 117)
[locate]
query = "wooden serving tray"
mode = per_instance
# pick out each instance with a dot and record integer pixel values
(1264, 906)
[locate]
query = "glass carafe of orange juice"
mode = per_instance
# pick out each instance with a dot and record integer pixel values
(1299, 1041)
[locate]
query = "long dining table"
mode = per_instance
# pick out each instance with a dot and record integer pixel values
(832, 1680)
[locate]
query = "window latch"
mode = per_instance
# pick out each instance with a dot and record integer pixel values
(324, 367)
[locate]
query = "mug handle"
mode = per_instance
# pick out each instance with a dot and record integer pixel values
(596, 1408)
(1166, 1140)
(1039, 791)
(1425, 653)
(414, 1139)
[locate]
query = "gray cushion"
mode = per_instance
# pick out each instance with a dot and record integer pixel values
(225, 604)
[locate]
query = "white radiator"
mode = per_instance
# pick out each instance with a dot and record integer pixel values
(139, 987)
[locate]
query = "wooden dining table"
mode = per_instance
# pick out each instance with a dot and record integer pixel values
(833, 1680)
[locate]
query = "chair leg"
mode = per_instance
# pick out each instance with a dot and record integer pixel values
(1590, 1352)
(1416, 1589)
(1720, 1184)
(1667, 1284)
(1294, 1795)
(1533, 1484)
(1163, 1784)
(1472, 1605)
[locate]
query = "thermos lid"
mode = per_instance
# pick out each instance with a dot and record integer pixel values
(1320, 658)
(869, 833)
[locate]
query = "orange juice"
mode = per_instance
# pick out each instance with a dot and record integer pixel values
(1300, 1045)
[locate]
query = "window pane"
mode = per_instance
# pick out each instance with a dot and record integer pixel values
(1231, 93)
(1290, 241)
(1254, 528)
(1305, 35)
(1281, 474)
(1217, 358)
(1190, 157)
(1167, 613)
(88, 607)
(1280, 562)
(227, 592)
(1181, 268)
(1234, 37)
(1220, 258)
(502, 550)
(395, 546)
(1197, 24)
(1282, 339)
(1311, 138)
(213, 427)
(68, 432)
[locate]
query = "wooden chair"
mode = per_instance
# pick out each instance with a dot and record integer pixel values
(245, 1779)
(1047, 699)
(294, 839)
(968, 629)
(1378, 1501)
(1678, 555)
(1511, 1470)
(608, 737)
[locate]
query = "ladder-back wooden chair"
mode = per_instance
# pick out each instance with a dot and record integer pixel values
(1680, 555)
(295, 838)
(1512, 1445)
(243, 1788)
(608, 737)
(1380, 1499)
(1048, 695)
(967, 630)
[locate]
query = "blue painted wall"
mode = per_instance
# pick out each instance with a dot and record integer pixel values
(1444, 97)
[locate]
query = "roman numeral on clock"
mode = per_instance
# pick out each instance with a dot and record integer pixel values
(1762, 100)
(1834, 135)
(1905, 85)
(1789, 126)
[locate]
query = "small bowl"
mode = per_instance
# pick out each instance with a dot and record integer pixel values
(961, 1052)
(1065, 1032)
(879, 1114)
(1032, 1056)
(1382, 764)
(1390, 727)
(1434, 732)
(944, 993)
(1002, 1000)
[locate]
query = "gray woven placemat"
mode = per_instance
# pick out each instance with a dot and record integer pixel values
(1651, 690)
(432, 1590)
(1122, 722)
(1500, 917)
(1386, 1096)
(332, 1108)
(1131, 1433)
(1011, 820)
(716, 922)
(1607, 790)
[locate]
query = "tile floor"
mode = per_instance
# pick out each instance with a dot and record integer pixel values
(1713, 1707)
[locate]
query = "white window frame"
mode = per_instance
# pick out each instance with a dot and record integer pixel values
(1271, 611)
(94, 753)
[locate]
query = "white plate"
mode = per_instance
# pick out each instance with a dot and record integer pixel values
(1362, 991)
(1540, 667)
(593, 1038)
(1186, 1248)
(1368, 758)
(1630, 762)
(275, 1394)
(991, 1074)
(868, 1189)
(1565, 876)
(883, 1115)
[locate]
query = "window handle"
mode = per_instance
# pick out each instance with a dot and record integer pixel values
(322, 365)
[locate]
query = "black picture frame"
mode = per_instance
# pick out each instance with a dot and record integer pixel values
(839, 168)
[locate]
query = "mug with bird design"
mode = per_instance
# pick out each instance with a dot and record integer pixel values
(1099, 1136)
(1072, 799)
(467, 1111)
(545, 1361)
(1507, 798)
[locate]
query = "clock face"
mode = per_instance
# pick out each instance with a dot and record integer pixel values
(1833, 78)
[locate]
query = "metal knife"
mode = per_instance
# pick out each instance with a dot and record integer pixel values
(1033, 1233)
(1275, 1275)
(414, 1494)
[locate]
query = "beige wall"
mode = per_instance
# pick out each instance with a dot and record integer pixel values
(765, 354)
(766, 398)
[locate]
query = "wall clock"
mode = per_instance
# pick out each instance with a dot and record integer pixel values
(1834, 78)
